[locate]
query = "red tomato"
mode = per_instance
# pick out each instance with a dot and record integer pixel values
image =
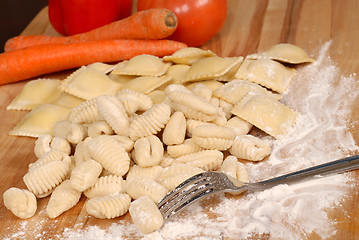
(198, 20)
(70, 17)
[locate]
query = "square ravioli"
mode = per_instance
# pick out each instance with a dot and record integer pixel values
(235, 90)
(35, 93)
(87, 83)
(266, 113)
(284, 52)
(266, 72)
(142, 65)
(40, 121)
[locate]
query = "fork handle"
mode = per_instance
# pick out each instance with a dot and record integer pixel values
(337, 166)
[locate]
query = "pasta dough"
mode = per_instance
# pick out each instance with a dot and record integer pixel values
(149, 172)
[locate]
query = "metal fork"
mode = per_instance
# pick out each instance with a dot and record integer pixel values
(208, 183)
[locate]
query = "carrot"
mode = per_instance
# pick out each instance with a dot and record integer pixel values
(38, 60)
(149, 24)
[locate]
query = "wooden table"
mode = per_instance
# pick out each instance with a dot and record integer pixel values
(251, 26)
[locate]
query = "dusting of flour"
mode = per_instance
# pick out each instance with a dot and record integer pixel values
(324, 99)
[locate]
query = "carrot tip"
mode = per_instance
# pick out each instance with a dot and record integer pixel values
(171, 20)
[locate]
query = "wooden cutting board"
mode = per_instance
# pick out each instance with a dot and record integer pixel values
(251, 26)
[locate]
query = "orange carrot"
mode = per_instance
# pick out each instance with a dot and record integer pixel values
(38, 60)
(149, 24)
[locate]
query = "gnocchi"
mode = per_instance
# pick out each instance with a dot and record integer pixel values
(109, 206)
(21, 202)
(145, 215)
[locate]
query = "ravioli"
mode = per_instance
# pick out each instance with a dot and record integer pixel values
(87, 83)
(284, 52)
(40, 121)
(146, 84)
(68, 100)
(234, 91)
(210, 68)
(188, 55)
(144, 65)
(266, 113)
(268, 73)
(35, 93)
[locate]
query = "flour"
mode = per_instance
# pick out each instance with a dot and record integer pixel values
(324, 99)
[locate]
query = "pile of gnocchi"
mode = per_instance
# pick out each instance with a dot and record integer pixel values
(125, 135)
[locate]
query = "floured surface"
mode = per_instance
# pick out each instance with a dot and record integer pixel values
(324, 99)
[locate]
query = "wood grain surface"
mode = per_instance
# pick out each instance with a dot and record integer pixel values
(251, 26)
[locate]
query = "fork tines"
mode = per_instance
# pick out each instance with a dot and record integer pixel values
(185, 194)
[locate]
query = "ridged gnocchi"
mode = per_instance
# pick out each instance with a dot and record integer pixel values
(134, 101)
(62, 199)
(137, 187)
(187, 147)
(52, 155)
(85, 175)
(41, 180)
(175, 130)
(232, 167)
(150, 122)
(208, 160)
(110, 154)
(176, 173)
(21, 202)
(149, 172)
(85, 112)
(108, 207)
(250, 148)
(106, 185)
(213, 137)
(148, 151)
(112, 110)
(99, 128)
(145, 215)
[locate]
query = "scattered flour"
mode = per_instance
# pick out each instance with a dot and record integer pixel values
(285, 211)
